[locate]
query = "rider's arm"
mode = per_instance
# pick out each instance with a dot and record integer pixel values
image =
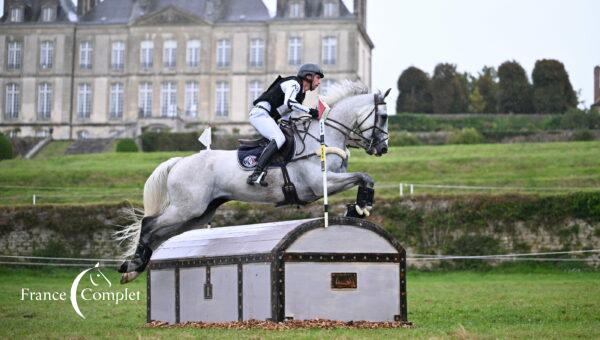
(291, 88)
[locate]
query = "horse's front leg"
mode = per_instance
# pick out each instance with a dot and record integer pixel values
(338, 182)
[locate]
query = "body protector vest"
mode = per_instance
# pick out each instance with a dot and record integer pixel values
(276, 97)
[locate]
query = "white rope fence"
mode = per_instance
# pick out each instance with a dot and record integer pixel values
(409, 188)
(534, 257)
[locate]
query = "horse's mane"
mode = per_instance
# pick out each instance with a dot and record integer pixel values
(343, 89)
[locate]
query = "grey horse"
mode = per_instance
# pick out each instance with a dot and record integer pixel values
(183, 193)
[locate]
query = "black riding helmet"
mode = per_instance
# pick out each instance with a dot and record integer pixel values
(307, 69)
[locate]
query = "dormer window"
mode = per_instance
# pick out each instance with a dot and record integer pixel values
(47, 14)
(329, 9)
(295, 10)
(16, 14)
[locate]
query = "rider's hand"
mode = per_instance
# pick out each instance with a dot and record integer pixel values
(313, 113)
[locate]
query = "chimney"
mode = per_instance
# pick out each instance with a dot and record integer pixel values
(596, 85)
(281, 5)
(360, 11)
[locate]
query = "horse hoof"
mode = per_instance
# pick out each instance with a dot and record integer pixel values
(128, 277)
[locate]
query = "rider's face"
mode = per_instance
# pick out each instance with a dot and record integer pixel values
(316, 81)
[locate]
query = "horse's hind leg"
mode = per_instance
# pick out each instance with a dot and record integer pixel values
(156, 230)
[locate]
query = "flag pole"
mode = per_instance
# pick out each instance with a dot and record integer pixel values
(323, 112)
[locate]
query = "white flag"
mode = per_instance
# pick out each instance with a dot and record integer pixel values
(205, 138)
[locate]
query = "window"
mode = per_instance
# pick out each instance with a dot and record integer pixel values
(168, 99)
(12, 103)
(47, 14)
(192, 56)
(46, 54)
(191, 98)
(257, 52)
(118, 56)
(329, 9)
(223, 53)
(85, 55)
(222, 100)
(44, 107)
(329, 51)
(145, 100)
(295, 10)
(146, 54)
(295, 51)
(14, 55)
(170, 54)
(255, 89)
(84, 101)
(116, 101)
(325, 86)
(16, 14)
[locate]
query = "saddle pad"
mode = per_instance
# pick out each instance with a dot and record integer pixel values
(248, 156)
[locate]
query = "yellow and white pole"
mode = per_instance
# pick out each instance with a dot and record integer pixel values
(323, 112)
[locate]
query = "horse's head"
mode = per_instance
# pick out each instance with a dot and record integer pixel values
(371, 131)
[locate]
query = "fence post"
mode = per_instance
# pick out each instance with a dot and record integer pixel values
(401, 189)
(33, 199)
(412, 189)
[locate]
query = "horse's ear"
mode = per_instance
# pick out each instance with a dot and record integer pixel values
(387, 92)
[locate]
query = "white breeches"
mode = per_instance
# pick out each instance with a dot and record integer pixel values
(266, 126)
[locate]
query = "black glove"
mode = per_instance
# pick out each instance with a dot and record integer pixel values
(313, 113)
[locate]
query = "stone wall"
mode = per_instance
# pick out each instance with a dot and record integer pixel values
(431, 225)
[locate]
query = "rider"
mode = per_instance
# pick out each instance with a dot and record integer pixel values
(277, 102)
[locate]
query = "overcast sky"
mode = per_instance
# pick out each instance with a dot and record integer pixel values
(474, 33)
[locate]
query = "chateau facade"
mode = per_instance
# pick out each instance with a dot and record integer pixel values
(114, 68)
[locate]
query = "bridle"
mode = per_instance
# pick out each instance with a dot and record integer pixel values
(377, 137)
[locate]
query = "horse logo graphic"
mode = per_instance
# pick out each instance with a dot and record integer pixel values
(98, 275)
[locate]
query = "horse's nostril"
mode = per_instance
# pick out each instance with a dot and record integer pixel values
(384, 150)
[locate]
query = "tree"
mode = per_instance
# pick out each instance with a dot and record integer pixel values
(449, 89)
(414, 91)
(514, 91)
(6, 151)
(552, 89)
(476, 101)
(487, 86)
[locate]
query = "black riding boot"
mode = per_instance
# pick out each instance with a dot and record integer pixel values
(260, 172)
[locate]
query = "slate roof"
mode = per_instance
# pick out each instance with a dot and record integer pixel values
(127, 11)
(33, 13)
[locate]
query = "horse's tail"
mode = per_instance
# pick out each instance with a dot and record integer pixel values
(156, 200)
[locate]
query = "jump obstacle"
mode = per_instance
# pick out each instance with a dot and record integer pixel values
(294, 270)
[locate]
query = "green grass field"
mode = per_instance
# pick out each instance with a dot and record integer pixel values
(110, 177)
(513, 302)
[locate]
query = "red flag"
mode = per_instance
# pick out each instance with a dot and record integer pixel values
(322, 108)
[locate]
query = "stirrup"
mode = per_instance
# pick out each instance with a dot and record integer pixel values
(258, 178)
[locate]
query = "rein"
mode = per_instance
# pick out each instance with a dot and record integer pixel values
(301, 127)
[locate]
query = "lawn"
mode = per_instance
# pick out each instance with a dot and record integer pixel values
(514, 302)
(110, 177)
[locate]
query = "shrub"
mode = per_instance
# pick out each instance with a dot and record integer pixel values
(404, 139)
(127, 145)
(583, 135)
(6, 151)
(466, 136)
